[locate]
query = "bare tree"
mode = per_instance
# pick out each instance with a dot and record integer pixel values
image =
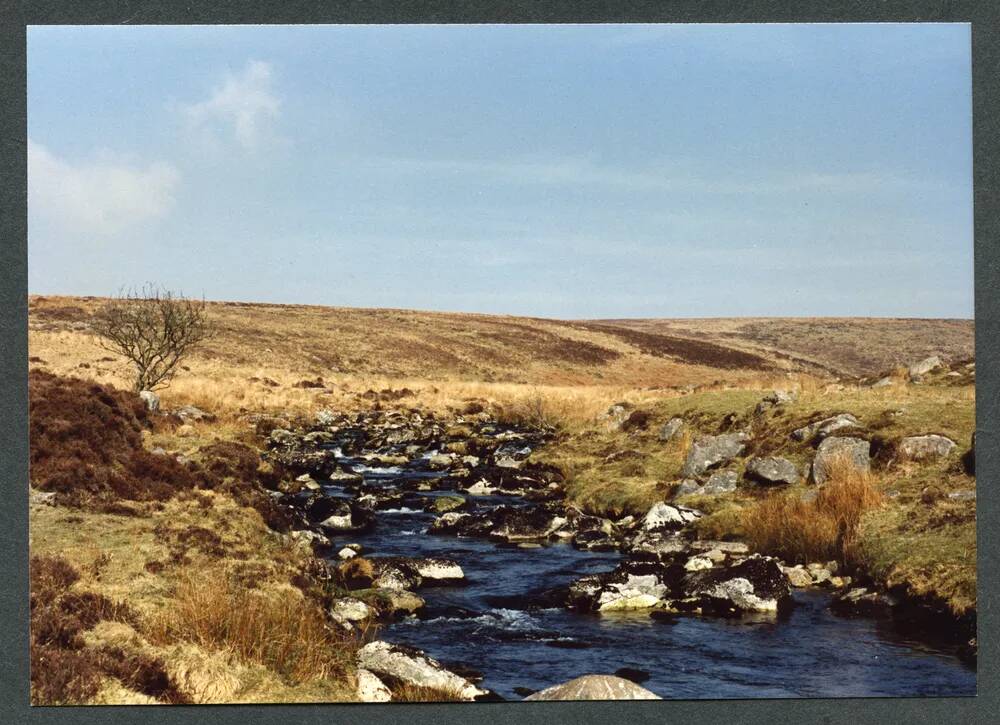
(154, 329)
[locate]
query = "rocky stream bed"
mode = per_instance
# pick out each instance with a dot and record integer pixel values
(489, 585)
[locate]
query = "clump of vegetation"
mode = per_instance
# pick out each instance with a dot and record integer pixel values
(287, 634)
(154, 330)
(63, 669)
(86, 445)
(819, 528)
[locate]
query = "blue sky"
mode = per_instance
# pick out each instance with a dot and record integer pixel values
(560, 171)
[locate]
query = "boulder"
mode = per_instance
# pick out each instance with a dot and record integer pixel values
(528, 523)
(670, 430)
(393, 662)
(797, 576)
(615, 416)
(188, 413)
(444, 504)
(400, 601)
(827, 426)
(630, 586)
(926, 447)
(665, 517)
(371, 688)
(436, 571)
(455, 523)
(687, 487)
(720, 482)
(757, 584)
(855, 451)
(771, 470)
(347, 611)
(925, 366)
(775, 398)
(595, 687)
(711, 451)
(151, 399)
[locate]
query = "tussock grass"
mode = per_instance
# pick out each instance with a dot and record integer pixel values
(822, 528)
(286, 634)
(405, 692)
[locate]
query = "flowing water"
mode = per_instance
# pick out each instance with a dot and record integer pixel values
(499, 623)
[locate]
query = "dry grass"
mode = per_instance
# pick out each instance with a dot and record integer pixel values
(415, 693)
(823, 528)
(286, 634)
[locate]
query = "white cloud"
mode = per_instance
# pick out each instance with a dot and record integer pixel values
(244, 105)
(666, 177)
(103, 196)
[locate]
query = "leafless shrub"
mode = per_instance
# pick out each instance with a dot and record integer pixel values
(154, 329)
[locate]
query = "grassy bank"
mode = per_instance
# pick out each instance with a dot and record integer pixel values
(910, 533)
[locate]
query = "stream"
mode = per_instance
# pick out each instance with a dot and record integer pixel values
(499, 622)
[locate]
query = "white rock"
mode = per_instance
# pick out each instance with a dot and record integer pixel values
(371, 688)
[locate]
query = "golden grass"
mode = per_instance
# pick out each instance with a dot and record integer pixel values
(822, 528)
(415, 693)
(285, 633)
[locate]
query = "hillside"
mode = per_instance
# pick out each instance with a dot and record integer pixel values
(404, 344)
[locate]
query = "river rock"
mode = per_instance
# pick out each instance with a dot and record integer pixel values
(151, 399)
(347, 611)
(926, 447)
(456, 523)
(371, 688)
(925, 366)
(619, 590)
(855, 451)
(413, 667)
(797, 576)
(595, 687)
(862, 602)
(668, 517)
(826, 427)
(771, 470)
(444, 504)
(436, 571)
(757, 584)
(528, 523)
(400, 601)
(670, 430)
(711, 451)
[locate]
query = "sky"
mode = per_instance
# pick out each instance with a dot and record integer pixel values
(557, 171)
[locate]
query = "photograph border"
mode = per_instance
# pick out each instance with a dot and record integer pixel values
(984, 17)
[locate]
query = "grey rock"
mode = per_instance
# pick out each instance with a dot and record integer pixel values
(687, 487)
(771, 470)
(720, 482)
(413, 667)
(854, 450)
(151, 399)
(926, 447)
(925, 366)
(711, 451)
(670, 430)
(826, 427)
(595, 687)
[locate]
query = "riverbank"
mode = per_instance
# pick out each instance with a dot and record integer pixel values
(228, 498)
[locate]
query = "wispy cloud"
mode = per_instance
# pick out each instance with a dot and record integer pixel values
(244, 106)
(102, 196)
(664, 177)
